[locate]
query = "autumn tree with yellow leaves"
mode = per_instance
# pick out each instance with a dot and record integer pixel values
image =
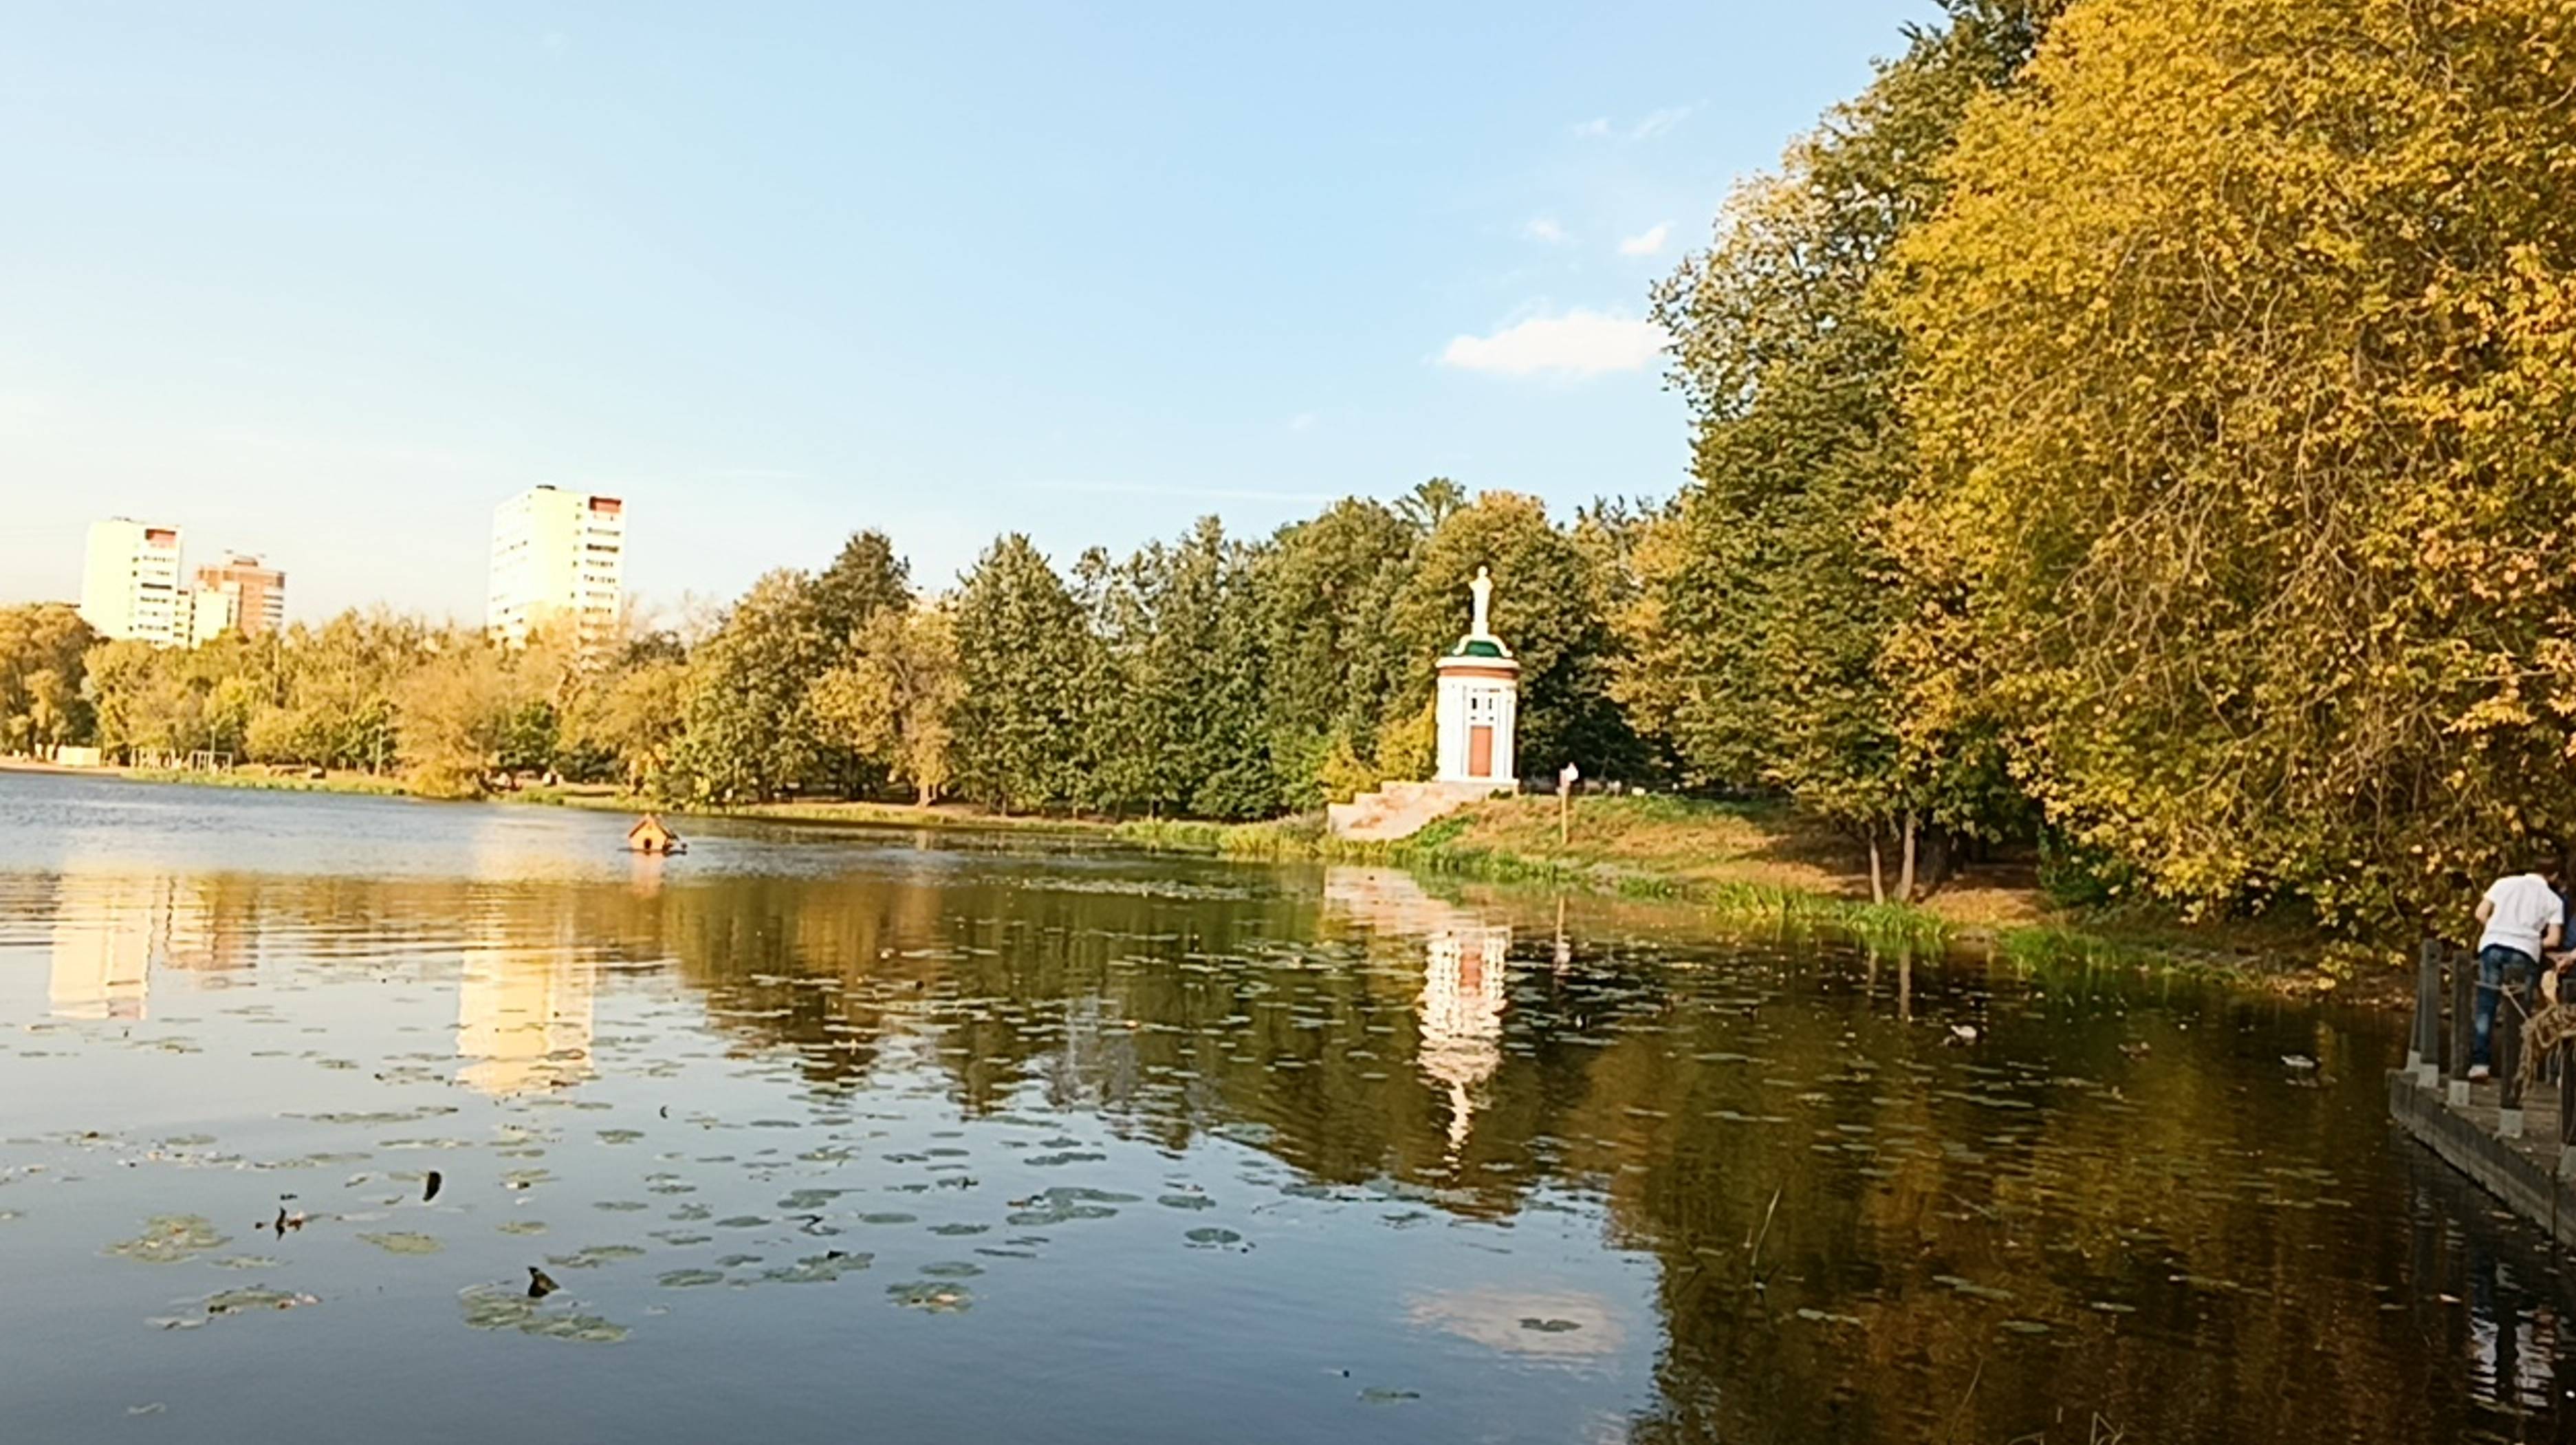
(2242, 377)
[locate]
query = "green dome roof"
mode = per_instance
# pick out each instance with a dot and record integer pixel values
(1479, 647)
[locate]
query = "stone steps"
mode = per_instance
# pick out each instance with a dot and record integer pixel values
(1400, 810)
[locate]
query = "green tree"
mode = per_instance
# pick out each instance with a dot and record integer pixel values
(1024, 653)
(42, 646)
(635, 719)
(1326, 591)
(894, 698)
(867, 578)
(1431, 503)
(1194, 680)
(1766, 597)
(749, 732)
(453, 715)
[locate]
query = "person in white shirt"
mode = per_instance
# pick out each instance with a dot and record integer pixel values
(2522, 916)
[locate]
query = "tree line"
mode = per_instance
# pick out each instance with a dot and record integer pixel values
(2146, 428)
(1205, 676)
(2147, 424)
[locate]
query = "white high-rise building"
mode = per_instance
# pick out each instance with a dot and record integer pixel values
(130, 583)
(558, 556)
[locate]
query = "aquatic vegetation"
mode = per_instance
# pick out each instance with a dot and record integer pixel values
(932, 1296)
(821, 1268)
(402, 1242)
(170, 1239)
(509, 1308)
(593, 1256)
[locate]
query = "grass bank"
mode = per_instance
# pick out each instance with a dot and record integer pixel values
(603, 798)
(366, 784)
(1761, 864)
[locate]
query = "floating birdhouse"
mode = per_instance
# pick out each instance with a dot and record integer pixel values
(650, 836)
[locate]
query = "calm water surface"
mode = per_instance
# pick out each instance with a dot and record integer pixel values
(836, 1136)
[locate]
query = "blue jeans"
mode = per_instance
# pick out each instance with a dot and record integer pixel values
(2499, 968)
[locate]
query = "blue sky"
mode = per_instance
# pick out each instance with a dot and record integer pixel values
(327, 281)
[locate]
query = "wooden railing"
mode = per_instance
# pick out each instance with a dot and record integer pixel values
(2439, 1055)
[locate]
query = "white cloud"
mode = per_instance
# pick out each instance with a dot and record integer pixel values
(1545, 229)
(1648, 241)
(1594, 128)
(1659, 122)
(1579, 343)
(1302, 421)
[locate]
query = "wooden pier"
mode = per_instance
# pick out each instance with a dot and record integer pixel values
(2520, 1149)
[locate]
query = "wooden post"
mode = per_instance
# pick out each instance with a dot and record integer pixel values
(2464, 999)
(2566, 1108)
(2424, 1054)
(2508, 1062)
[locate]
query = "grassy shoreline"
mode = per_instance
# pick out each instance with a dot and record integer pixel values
(1760, 867)
(596, 798)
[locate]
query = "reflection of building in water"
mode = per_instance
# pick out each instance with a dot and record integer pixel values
(1465, 965)
(523, 1018)
(1462, 1015)
(112, 930)
(105, 932)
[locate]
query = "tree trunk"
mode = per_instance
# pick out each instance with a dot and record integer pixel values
(1905, 876)
(1877, 872)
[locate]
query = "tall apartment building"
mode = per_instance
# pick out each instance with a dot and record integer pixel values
(238, 595)
(130, 583)
(558, 556)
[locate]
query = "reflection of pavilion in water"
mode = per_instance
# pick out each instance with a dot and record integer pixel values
(523, 1014)
(112, 930)
(1465, 963)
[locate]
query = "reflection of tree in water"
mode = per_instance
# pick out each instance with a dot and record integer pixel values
(2175, 1219)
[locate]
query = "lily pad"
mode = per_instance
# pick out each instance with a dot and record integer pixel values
(403, 1242)
(595, 1256)
(687, 1278)
(254, 1298)
(819, 1268)
(507, 1307)
(170, 1239)
(1212, 1238)
(932, 1296)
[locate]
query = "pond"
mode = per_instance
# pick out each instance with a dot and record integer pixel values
(332, 1119)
